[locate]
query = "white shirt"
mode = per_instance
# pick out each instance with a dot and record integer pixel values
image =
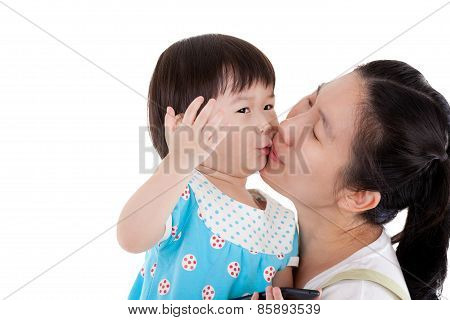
(379, 256)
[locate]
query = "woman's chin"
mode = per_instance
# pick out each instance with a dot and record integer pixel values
(272, 167)
(275, 181)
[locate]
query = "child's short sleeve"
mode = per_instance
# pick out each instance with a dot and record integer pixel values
(179, 216)
(292, 259)
(168, 229)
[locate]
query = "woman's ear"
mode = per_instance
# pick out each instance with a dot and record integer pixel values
(359, 201)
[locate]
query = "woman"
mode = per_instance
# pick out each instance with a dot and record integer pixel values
(352, 155)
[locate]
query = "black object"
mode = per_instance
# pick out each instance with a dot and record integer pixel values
(288, 294)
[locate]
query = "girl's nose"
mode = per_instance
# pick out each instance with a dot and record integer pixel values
(268, 129)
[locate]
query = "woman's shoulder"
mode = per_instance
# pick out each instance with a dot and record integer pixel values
(380, 257)
(357, 290)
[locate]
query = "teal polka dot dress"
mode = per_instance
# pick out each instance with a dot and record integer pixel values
(217, 248)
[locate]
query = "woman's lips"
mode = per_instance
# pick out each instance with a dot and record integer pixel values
(273, 154)
(265, 151)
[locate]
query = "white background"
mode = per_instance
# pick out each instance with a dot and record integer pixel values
(69, 132)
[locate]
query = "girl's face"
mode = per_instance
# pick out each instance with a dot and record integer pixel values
(313, 143)
(252, 123)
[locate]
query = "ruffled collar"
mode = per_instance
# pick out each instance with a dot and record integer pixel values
(269, 231)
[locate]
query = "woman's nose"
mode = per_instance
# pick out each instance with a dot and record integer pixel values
(283, 132)
(291, 130)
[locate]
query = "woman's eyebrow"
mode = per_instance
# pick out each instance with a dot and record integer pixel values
(319, 87)
(326, 123)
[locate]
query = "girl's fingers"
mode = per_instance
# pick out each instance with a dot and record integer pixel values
(204, 115)
(191, 112)
(269, 295)
(178, 119)
(169, 119)
(216, 119)
(212, 128)
(255, 296)
(277, 294)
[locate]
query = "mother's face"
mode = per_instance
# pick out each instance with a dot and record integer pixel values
(313, 143)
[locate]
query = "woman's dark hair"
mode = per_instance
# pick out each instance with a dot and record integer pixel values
(400, 149)
(205, 66)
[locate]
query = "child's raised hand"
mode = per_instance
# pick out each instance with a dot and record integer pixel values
(191, 139)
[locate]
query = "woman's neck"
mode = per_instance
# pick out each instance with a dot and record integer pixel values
(327, 237)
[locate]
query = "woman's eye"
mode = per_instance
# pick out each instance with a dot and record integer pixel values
(310, 102)
(244, 110)
(268, 107)
(314, 133)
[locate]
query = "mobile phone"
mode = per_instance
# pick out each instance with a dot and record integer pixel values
(288, 294)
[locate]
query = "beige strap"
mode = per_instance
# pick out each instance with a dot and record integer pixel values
(369, 275)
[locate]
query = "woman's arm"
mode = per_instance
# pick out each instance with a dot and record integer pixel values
(283, 278)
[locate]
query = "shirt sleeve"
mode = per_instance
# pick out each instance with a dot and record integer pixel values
(168, 230)
(357, 290)
(179, 216)
(292, 259)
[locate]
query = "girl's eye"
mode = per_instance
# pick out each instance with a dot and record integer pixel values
(244, 110)
(268, 107)
(310, 102)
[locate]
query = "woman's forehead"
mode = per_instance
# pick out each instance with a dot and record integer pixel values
(338, 101)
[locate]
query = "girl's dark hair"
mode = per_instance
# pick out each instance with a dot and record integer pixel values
(400, 149)
(205, 66)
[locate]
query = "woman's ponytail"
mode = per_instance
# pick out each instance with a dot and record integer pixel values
(423, 243)
(401, 150)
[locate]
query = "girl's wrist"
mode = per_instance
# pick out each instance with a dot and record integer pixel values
(178, 163)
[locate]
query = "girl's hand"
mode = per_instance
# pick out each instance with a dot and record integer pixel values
(192, 139)
(274, 293)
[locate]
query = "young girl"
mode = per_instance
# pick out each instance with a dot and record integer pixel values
(205, 235)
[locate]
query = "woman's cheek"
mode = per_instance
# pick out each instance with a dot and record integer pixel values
(304, 156)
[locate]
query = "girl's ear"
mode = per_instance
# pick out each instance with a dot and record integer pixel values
(358, 201)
